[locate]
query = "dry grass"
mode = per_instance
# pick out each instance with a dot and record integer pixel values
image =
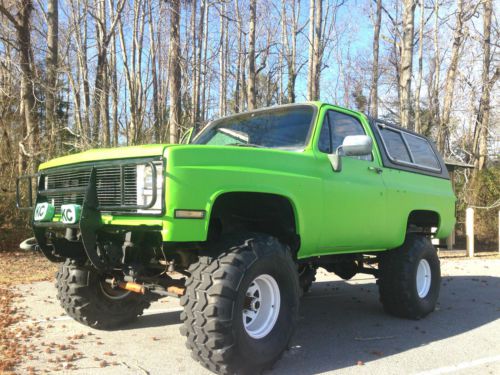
(25, 267)
(18, 268)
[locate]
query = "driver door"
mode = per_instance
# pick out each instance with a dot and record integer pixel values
(355, 197)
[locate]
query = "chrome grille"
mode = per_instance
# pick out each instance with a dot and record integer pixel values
(107, 185)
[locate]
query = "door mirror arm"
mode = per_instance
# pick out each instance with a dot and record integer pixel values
(336, 159)
(353, 145)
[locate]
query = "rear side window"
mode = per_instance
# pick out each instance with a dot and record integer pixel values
(407, 148)
(422, 152)
(396, 147)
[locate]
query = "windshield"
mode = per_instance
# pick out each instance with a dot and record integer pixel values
(284, 128)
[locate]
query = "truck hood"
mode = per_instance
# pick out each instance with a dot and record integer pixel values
(106, 154)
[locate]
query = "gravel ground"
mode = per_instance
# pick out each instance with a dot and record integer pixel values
(342, 329)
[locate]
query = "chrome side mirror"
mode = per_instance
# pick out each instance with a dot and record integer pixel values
(353, 145)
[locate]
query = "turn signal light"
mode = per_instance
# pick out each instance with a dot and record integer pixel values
(189, 214)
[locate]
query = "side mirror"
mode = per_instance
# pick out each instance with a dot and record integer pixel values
(353, 145)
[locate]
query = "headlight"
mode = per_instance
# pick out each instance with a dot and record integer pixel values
(145, 187)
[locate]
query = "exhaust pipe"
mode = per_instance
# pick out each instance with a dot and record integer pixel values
(171, 290)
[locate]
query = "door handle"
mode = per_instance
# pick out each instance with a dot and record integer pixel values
(376, 169)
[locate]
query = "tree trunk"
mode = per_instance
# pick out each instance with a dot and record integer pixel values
(252, 95)
(318, 50)
(100, 69)
(198, 38)
(114, 86)
(194, 66)
(174, 72)
(283, 47)
(311, 65)
(406, 63)
(418, 118)
(434, 89)
(204, 66)
(458, 36)
(292, 53)
(222, 61)
(55, 140)
(374, 83)
(154, 77)
(239, 61)
(480, 144)
(22, 24)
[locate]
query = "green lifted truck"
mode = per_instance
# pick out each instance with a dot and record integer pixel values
(237, 221)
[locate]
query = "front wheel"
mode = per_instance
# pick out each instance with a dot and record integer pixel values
(89, 299)
(410, 278)
(240, 307)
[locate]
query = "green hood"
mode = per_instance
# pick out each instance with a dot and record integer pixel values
(106, 154)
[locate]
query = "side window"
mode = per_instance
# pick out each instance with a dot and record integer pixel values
(405, 147)
(421, 151)
(395, 145)
(342, 125)
(325, 139)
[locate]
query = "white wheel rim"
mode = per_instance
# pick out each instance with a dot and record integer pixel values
(424, 278)
(261, 307)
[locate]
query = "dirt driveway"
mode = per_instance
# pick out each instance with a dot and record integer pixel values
(342, 330)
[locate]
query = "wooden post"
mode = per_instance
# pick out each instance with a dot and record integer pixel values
(499, 231)
(469, 231)
(450, 240)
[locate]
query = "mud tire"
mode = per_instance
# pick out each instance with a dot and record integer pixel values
(215, 295)
(81, 294)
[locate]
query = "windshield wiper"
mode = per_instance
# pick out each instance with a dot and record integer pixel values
(244, 145)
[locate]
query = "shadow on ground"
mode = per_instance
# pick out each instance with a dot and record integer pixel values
(342, 323)
(155, 320)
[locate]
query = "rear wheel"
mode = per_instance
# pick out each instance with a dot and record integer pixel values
(87, 298)
(241, 306)
(410, 278)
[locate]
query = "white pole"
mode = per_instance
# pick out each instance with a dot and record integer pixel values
(469, 231)
(499, 231)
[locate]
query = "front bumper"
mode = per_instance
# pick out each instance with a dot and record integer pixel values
(94, 215)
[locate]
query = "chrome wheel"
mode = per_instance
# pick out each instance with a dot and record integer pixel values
(261, 307)
(424, 278)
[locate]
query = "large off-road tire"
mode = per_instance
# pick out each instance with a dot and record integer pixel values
(410, 278)
(88, 299)
(241, 304)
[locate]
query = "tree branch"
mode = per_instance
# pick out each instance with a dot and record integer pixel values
(9, 16)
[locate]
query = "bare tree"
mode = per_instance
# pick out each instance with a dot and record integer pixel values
(52, 70)
(406, 63)
(22, 24)
(375, 73)
(104, 37)
(240, 65)
(174, 72)
(318, 49)
(223, 60)
(418, 119)
(482, 121)
(462, 15)
(311, 65)
(252, 95)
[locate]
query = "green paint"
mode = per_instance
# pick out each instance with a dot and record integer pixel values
(353, 210)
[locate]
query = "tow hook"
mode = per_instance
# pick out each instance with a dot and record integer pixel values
(173, 290)
(29, 244)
